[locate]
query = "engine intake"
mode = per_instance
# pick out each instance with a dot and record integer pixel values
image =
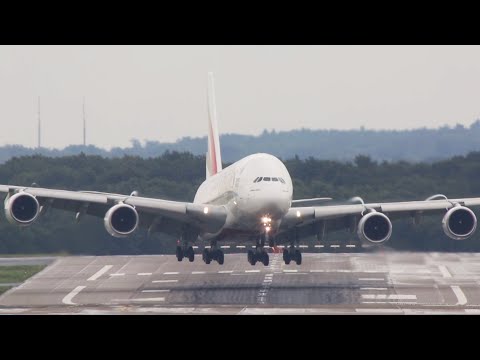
(459, 223)
(21, 209)
(375, 228)
(121, 220)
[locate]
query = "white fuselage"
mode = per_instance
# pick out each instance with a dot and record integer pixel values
(248, 201)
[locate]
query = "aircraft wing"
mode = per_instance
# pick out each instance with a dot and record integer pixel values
(342, 216)
(309, 202)
(154, 214)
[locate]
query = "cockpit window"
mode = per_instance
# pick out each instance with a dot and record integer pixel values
(274, 179)
(257, 179)
(281, 180)
(266, 179)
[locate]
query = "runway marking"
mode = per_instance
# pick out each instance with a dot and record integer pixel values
(67, 300)
(391, 302)
(225, 271)
(303, 246)
(389, 297)
(290, 271)
(319, 246)
(155, 291)
(171, 273)
(462, 299)
(195, 247)
(351, 246)
(252, 271)
(443, 269)
(240, 246)
(163, 281)
(225, 247)
(334, 246)
(149, 299)
(267, 280)
(198, 272)
(371, 279)
(100, 273)
(380, 311)
(118, 274)
(472, 311)
(374, 288)
(144, 274)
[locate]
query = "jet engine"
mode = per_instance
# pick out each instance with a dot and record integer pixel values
(121, 220)
(21, 209)
(459, 223)
(375, 228)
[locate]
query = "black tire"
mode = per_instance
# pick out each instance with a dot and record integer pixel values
(206, 256)
(190, 254)
(298, 257)
(250, 257)
(179, 253)
(266, 259)
(220, 257)
(286, 257)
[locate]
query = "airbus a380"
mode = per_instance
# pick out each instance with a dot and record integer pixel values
(250, 199)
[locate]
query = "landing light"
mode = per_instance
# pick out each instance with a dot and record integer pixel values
(267, 228)
(205, 210)
(266, 220)
(298, 213)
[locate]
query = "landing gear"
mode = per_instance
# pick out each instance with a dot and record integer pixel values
(259, 254)
(185, 252)
(292, 254)
(213, 254)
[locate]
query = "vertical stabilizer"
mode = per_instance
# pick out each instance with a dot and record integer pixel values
(214, 157)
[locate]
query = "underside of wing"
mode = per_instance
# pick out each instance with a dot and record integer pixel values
(122, 214)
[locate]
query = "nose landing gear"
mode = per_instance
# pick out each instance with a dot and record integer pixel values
(260, 253)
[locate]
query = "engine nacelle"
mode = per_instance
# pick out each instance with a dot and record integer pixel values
(121, 220)
(375, 228)
(459, 223)
(21, 209)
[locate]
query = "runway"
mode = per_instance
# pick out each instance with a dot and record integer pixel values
(326, 283)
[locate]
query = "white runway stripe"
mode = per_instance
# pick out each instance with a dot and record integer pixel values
(241, 247)
(150, 299)
(319, 246)
(118, 274)
(374, 288)
(68, 299)
(371, 279)
(198, 272)
(443, 269)
(252, 271)
(171, 273)
(225, 247)
(290, 271)
(164, 281)
(100, 273)
(462, 299)
(225, 272)
(389, 297)
(156, 291)
(144, 274)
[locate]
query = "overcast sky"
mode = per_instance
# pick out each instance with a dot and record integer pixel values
(159, 92)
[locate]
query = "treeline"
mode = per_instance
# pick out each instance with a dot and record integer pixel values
(411, 145)
(176, 176)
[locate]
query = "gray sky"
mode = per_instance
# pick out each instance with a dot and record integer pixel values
(159, 92)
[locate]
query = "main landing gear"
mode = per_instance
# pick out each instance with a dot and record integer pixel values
(290, 254)
(259, 254)
(185, 252)
(213, 254)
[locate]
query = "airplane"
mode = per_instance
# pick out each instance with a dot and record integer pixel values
(250, 199)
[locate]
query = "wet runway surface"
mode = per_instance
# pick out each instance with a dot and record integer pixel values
(325, 283)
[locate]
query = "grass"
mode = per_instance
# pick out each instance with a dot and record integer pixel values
(17, 274)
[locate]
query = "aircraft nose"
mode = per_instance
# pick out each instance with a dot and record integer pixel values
(274, 204)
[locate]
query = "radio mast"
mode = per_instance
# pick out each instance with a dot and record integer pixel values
(84, 125)
(39, 131)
